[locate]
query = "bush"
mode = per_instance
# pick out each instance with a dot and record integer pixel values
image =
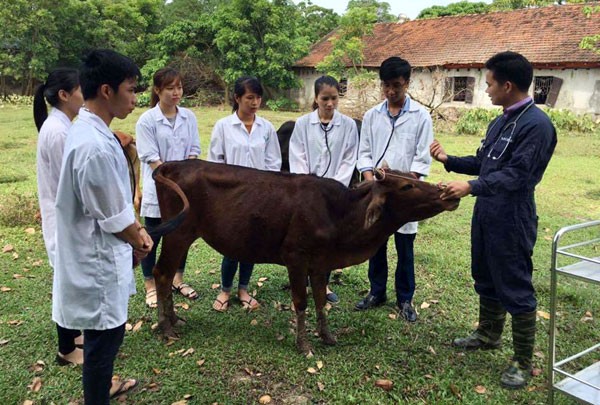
(282, 104)
(474, 121)
(15, 99)
(143, 99)
(568, 121)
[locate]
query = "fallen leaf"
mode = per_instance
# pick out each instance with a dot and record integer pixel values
(279, 337)
(17, 276)
(455, 391)
(310, 355)
(200, 362)
(7, 248)
(260, 284)
(183, 305)
(212, 272)
(321, 386)
(536, 372)
(15, 256)
(265, 399)
(156, 371)
(137, 326)
(263, 279)
(35, 385)
(429, 376)
(539, 355)
(188, 352)
(37, 367)
(154, 326)
(328, 306)
(319, 364)
(4, 341)
(182, 402)
(28, 402)
(311, 370)
(480, 389)
(431, 350)
(215, 286)
(37, 263)
(543, 314)
(254, 322)
(425, 305)
(377, 366)
(548, 237)
(386, 385)
(588, 313)
(30, 231)
(434, 301)
(188, 396)
(128, 327)
(392, 316)
(546, 229)
(248, 371)
(5, 289)
(171, 341)
(15, 322)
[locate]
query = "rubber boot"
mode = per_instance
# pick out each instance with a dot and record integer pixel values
(492, 317)
(518, 373)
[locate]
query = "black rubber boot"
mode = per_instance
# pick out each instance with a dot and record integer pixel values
(518, 373)
(488, 335)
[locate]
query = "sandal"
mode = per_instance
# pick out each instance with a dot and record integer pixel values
(220, 306)
(191, 293)
(151, 300)
(250, 304)
(124, 386)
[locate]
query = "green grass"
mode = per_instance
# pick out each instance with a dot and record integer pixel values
(246, 359)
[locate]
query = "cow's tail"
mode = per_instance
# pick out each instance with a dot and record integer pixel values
(172, 224)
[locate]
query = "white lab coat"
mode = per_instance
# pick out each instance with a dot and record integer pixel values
(408, 149)
(309, 152)
(232, 144)
(157, 139)
(51, 142)
(93, 275)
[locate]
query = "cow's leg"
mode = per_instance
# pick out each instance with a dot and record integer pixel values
(318, 282)
(172, 252)
(298, 286)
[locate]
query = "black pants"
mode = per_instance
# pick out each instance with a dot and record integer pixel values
(66, 339)
(100, 348)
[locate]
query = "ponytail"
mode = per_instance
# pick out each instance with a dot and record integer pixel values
(245, 84)
(59, 79)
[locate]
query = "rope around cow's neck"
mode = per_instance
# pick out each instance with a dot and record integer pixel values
(383, 173)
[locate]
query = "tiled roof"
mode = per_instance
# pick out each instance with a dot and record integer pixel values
(548, 36)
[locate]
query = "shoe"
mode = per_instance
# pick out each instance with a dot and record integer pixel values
(515, 377)
(332, 298)
(476, 341)
(370, 301)
(407, 311)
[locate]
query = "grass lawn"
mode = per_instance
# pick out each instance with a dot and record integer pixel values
(237, 357)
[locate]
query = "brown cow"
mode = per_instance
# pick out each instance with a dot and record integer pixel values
(310, 225)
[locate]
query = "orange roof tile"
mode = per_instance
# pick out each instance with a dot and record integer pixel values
(548, 36)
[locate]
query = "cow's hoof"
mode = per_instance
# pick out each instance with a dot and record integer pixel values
(328, 339)
(304, 347)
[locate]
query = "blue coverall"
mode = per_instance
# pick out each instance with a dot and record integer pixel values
(504, 223)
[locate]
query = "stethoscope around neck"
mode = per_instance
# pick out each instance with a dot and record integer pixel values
(326, 128)
(512, 125)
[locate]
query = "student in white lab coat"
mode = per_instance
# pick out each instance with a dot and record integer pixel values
(325, 142)
(63, 92)
(243, 139)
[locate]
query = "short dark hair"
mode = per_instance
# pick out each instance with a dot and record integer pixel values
(322, 82)
(511, 67)
(243, 85)
(394, 67)
(105, 66)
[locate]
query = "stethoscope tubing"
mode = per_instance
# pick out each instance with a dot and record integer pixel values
(502, 131)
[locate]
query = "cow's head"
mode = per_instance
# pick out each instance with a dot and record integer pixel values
(404, 198)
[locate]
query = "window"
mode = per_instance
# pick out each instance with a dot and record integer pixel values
(541, 88)
(459, 88)
(343, 86)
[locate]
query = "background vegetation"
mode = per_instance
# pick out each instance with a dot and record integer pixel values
(238, 357)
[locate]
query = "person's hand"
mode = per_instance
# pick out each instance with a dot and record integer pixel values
(455, 189)
(146, 248)
(137, 202)
(368, 175)
(438, 152)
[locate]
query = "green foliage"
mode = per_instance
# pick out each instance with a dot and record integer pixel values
(282, 104)
(143, 98)
(568, 121)
(15, 99)
(474, 121)
(591, 42)
(316, 21)
(460, 8)
(381, 8)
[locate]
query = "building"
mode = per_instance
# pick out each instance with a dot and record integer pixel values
(448, 56)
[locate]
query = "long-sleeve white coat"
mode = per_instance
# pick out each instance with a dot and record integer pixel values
(334, 157)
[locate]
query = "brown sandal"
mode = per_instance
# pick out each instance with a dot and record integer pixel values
(191, 294)
(151, 300)
(125, 386)
(250, 304)
(220, 306)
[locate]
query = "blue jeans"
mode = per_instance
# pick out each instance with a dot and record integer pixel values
(150, 260)
(100, 347)
(66, 339)
(405, 269)
(229, 268)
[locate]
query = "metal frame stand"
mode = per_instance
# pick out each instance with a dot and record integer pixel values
(583, 386)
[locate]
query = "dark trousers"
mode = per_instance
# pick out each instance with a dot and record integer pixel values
(100, 348)
(405, 268)
(66, 339)
(503, 234)
(228, 269)
(149, 261)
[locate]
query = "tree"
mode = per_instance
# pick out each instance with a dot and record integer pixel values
(381, 8)
(591, 42)
(460, 8)
(316, 21)
(260, 38)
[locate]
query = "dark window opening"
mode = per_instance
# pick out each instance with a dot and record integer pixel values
(541, 88)
(460, 89)
(343, 87)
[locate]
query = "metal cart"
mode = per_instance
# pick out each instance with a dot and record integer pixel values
(584, 385)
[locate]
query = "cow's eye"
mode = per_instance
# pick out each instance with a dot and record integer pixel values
(407, 187)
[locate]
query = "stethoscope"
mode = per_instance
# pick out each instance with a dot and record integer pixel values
(327, 128)
(503, 138)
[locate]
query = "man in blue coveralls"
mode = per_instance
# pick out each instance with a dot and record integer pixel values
(510, 162)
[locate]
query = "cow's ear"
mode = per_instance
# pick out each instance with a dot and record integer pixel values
(374, 210)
